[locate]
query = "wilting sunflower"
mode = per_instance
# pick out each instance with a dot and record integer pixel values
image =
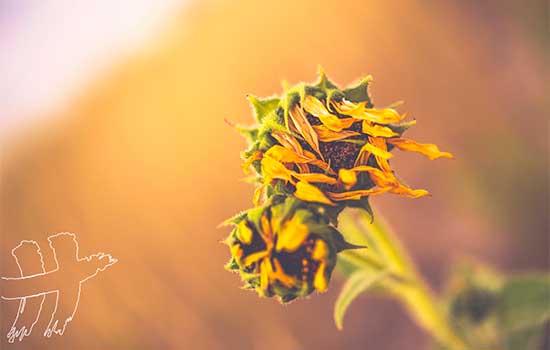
(329, 146)
(285, 248)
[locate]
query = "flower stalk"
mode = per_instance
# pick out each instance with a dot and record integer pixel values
(409, 286)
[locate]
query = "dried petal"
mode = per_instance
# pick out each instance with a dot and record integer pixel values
(304, 128)
(428, 149)
(327, 135)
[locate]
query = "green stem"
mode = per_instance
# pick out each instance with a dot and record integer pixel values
(416, 294)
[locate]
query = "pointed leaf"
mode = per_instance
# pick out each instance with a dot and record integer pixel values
(524, 302)
(359, 282)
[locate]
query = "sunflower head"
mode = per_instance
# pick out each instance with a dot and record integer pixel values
(285, 248)
(327, 145)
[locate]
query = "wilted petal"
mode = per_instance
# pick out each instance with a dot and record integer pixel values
(285, 155)
(310, 193)
(356, 195)
(248, 161)
(304, 128)
(377, 130)
(315, 177)
(347, 177)
(428, 149)
(327, 135)
(408, 192)
(272, 169)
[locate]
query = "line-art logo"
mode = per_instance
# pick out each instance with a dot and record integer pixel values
(64, 283)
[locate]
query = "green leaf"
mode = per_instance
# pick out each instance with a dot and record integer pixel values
(526, 339)
(524, 302)
(263, 107)
(358, 282)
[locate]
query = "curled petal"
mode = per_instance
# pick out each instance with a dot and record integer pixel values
(319, 163)
(287, 141)
(377, 130)
(272, 169)
(285, 155)
(347, 177)
(378, 152)
(248, 161)
(356, 195)
(327, 135)
(408, 192)
(310, 193)
(316, 108)
(381, 159)
(429, 150)
(334, 123)
(380, 178)
(304, 128)
(258, 193)
(313, 106)
(315, 177)
(360, 111)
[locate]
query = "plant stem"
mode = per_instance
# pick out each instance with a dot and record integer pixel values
(416, 294)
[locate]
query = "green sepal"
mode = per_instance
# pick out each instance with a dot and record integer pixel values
(402, 127)
(232, 265)
(262, 107)
(359, 93)
(235, 220)
(324, 82)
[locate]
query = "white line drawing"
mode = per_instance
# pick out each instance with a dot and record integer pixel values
(32, 287)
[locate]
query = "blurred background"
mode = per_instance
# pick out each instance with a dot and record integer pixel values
(111, 119)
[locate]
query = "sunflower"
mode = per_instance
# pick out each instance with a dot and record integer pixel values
(285, 248)
(324, 145)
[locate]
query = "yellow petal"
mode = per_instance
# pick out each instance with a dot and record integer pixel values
(377, 130)
(292, 235)
(304, 128)
(265, 272)
(320, 251)
(287, 141)
(319, 163)
(334, 123)
(378, 152)
(272, 169)
(355, 195)
(285, 155)
(266, 228)
(320, 282)
(429, 150)
(281, 276)
(310, 193)
(405, 191)
(313, 106)
(327, 135)
(316, 178)
(245, 232)
(254, 257)
(258, 192)
(347, 177)
(248, 161)
(360, 111)
(381, 159)
(379, 177)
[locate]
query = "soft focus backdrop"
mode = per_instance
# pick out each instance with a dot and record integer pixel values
(113, 129)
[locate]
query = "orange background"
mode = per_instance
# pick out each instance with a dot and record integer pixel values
(142, 166)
